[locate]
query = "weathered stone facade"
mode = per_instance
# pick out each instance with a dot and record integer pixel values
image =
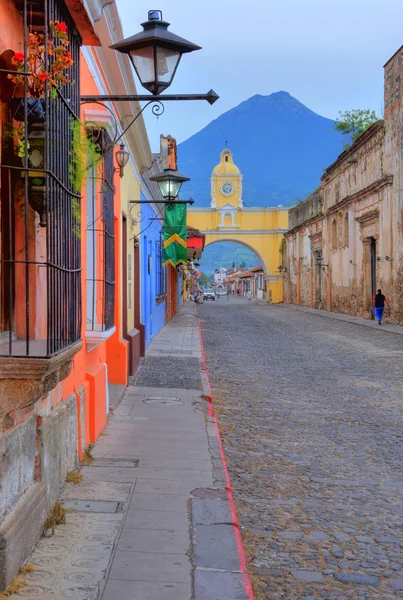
(345, 241)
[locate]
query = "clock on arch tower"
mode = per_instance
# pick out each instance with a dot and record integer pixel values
(226, 183)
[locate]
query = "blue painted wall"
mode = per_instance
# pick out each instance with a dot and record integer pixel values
(152, 314)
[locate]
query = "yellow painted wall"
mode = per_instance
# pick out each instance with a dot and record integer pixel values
(130, 190)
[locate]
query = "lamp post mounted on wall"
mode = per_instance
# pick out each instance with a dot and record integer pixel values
(155, 54)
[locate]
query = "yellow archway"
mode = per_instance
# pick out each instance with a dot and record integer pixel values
(259, 229)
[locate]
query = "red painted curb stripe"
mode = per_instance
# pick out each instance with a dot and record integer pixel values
(241, 553)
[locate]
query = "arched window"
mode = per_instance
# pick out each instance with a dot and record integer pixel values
(228, 220)
(340, 229)
(334, 234)
(346, 232)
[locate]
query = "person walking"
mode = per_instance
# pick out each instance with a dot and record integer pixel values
(379, 301)
(249, 294)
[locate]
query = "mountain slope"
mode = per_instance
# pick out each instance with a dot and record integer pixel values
(280, 146)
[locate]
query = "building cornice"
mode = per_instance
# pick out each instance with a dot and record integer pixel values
(368, 217)
(242, 231)
(304, 224)
(257, 209)
(375, 187)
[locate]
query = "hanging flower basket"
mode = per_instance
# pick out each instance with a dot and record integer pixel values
(35, 109)
(46, 68)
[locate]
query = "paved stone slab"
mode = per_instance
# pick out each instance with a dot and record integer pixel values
(104, 490)
(214, 547)
(91, 506)
(141, 590)
(154, 540)
(308, 576)
(145, 566)
(151, 519)
(159, 503)
(73, 562)
(215, 585)
(358, 578)
(210, 511)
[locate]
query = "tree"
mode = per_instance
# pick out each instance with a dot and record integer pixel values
(243, 264)
(233, 264)
(203, 280)
(355, 122)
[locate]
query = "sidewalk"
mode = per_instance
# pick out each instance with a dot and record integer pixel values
(387, 327)
(152, 519)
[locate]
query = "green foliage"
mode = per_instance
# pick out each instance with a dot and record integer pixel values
(223, 254)
(203, 280)
(84, 155)
(355, 122)
(233, 264)
(243, 264)
(16, 134)
(282, 246)
(300, 199)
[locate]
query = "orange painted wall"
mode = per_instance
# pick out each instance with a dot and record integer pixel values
(89, 368)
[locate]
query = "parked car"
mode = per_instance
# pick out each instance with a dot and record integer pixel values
(208, 295)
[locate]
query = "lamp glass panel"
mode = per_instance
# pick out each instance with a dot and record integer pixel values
(143, 60)
(170, 188)
(167, 61)
(122, 158)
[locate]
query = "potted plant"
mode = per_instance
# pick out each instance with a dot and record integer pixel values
(46, 71)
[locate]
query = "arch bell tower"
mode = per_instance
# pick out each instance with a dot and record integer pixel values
(259, 228)
(226, 189)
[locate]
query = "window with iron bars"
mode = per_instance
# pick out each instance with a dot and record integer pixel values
(100, 237)
(161, 276)
(40, 262)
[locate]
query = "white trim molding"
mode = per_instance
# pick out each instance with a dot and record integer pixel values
(95, 338)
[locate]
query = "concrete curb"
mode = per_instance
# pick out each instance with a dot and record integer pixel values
(217, 551)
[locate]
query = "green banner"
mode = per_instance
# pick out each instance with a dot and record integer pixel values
(175, 250)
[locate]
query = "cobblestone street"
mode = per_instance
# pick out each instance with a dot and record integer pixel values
(310, 412)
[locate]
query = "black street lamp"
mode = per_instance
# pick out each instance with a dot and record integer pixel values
(169, 182)
(155, 52)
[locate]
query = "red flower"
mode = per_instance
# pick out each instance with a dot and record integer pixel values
(19, 56)
(62, 27)
(43, 76)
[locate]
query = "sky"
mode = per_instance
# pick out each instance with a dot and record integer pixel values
(329, 54)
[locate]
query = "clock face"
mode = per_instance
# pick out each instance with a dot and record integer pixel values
(227, 188)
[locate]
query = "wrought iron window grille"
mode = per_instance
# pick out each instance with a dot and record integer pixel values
(40, 262)
(100, 241)
(161, 275)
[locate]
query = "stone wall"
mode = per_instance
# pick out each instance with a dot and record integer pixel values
(35, 458)
(311, 207)
(393, 106)
(58, 435)
(17, 464)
